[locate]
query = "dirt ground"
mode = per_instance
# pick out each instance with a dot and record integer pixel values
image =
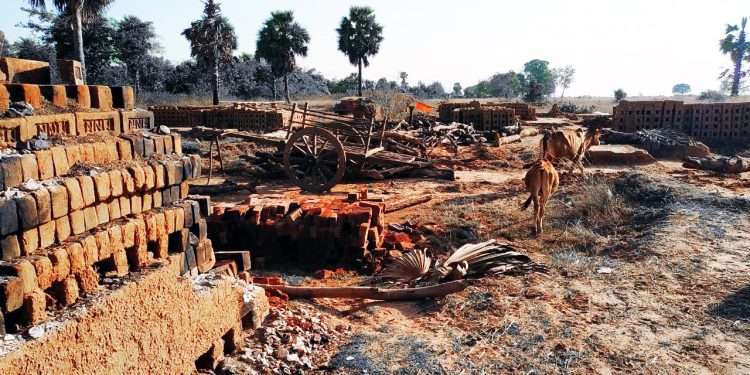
(646, 273)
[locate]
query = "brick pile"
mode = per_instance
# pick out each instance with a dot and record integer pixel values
(98, 203)
(708, 121)
(69, 98)
(316, 230)
(489, 115)
(248, 117)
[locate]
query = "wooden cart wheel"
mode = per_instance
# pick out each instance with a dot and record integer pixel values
(314, 159)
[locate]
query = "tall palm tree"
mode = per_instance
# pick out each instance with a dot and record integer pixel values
(736, 45)
(279, 41)
(81, 10)
(212, 41)
(360, 37)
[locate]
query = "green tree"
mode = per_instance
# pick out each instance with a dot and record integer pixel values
(404, 76)
(32, 49)
(564, 77)
(134, 41)
(457, 89)
(620, 94)
(537, 81)
(736, 45)
(79, 11)
(681, 89)
(212, 41)
(360, 37)
(98, 33)
(279, 41)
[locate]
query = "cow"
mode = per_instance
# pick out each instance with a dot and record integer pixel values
(569, 145)
(541, 181)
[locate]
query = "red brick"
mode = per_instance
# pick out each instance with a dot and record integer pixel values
(55, 94)
(24, 270)
(60, 159)
(124, 149)
(114, 209)
(88, 280)
(102, 213)
(11, 293)
(102, 243)
(29, 241)
(120, 263)
(128, 233)
(136, 205)
(90, 250)
(125, 206)
(67, 291)
(88, 191)
(149, 178)
(75, 198)
(58, 195)
(44, 205)
(25, 93)
(79, 93)
(123, 97)
(45, 164)
(101, 153)
(77, 222)
(76, 257)
(147, 202)
(156, 199)
(47, 234)
(88, 155)
(127, 181)
(102, 185)
(169, 221)
(29, 167)
(90, 218)
(12, 172)
(43, 269)
(35, 306)
(115, 183)
(60, 264)
(139, 176)
(62, 228)
(101, 97)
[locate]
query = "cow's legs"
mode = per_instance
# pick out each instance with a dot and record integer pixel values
(536, 213)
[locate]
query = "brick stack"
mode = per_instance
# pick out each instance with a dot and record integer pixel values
(710, 121)
(248, 117)
(487, 114)
(97, 204)
(314, 230)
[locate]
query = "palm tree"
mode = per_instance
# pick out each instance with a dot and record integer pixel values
(736, 45)
(280, 39)
(212, 41)
(81, 10)
(360, 37)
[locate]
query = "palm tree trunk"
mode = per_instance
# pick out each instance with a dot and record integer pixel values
(273, 89)
(78, 29)
(360, 78)
(215, 82)
(562, 93)
(286, 89)
(736, 78)
(137, 81)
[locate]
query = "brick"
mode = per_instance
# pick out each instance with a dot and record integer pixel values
(10, 247)
(152, 232)
(124, 149)
(90, 250)
(128, 182)
(159, 178)
(102, 186)
(139, 176)
(204, 203)
(196, 165)
(177, 143)
(149, 147)
(70, 72)
(59, 198)
(62, 228)
(12, 171)
(27, 213)
(147, 202)
(168, 146)
(43, 270)
(87, 153)
(29, 241)
(128, 233)
(75, 197)
(184, 189)
(200, 229)
(25, 93)
(89, 218)
(97, 122)
(45, 164)
(178, 241)
(73, 152)
(79, 93)
(62, 124)
(123, 97)
(101, 153)
(149, 178)
(102, 212)
(101, 97)
(241, 258)
(67, 291)
(11, 293)
(114, 209)
(112, 153)
(29, 167)
(4, 95)
(179, 218)
(35, 306)
(138, 254)
(60, 264)
(55, 94)
(76, 257)
(161, 248)
(44, 205)
(102, 243)
(119, 263)
(60, 160)
(24, 270)
(125, 206)
(115, 183)
(8, 216)
(169, 221)
(88, 280)
(159, 145)
(88, 191)
(204, 256)
(189, 218)
(136, 205)
(47, 234)
(156, 199)
(77, 222)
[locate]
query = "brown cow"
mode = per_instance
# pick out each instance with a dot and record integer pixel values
(541, 182)
(569, 145)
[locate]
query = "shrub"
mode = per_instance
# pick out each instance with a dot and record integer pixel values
(711, 96)
(620, 94)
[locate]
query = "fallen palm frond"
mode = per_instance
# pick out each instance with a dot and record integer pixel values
(405, 294)
(486, 258)
(411, 266)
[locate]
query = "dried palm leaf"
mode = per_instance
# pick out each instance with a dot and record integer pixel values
(412, 265)
(486, 258)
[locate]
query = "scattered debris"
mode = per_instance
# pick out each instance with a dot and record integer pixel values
(659, 143)
(405, 294)
(407, 202)
(734, 164)
(413, 265)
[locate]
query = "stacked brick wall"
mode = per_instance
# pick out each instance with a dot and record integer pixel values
(470, 112)
(237, 116)
(709, 121)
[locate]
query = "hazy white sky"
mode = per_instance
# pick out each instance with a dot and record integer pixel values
(642, 46)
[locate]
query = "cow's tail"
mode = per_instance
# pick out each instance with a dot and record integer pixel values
(526, 204)
(545, 140)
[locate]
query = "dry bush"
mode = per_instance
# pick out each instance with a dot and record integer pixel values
(394, 104)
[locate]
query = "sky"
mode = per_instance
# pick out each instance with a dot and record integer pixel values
(642, 46)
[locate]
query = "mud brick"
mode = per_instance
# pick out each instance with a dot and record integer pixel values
(178, 172)
(166, 197)
(177, 143)
(114, 209)
(88, 155)
(90, 250)
(47, 234)
(168, 145)
(12, 171)
(67, 291)
(147, 202)
(76, 257)
(45, 164)
(149, 147)
(138, 254)
(187, 168)
(156, 199)
(55, 94)
(125, 206)
(88, 280)
(25, 93)
(8, 216)
(200, 229)
(102, 186)
(115, 183)
(73, 153)
(102, 243)
(241, 258)
(189, 218)
(196, 210)
(161, 248)
(29, 241)
(116, 242)
(43, 204)
(112, 153)
(58, 199)
(196, 165)
(60, 264)
(43, 270)
(176, 192)
(136, 204)
(34, 306)
(159, 178)
(29, 167)
(128, 234)
(190, 261)
(4, 98)
(60, 159)
(159, 145)
(204, 256)
(24, 270)
(62, 228)
(122, 97)
(127, 182)
(136, 145)
(139, 176)
(152, 231)
(88, 191)
(170, 174)
(101, 97)
(101, 153)
(184, 189)
(178, 241)
(102, 213)
(27, 213)
(77, 222)
(124, 149)
(90, 218)
(11, 293)
(179, 219)
(169, 221)
(75, 197)
(10, 247)
(79, 93)
(149, 178)
(119, 263)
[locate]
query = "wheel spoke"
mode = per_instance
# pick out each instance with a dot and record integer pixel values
(307, 145)
(327, 170)
(322, 148)
(300, 150)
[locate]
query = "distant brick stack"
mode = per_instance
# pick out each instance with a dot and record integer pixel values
(473, 112)
(709, 121)
(247, 117)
